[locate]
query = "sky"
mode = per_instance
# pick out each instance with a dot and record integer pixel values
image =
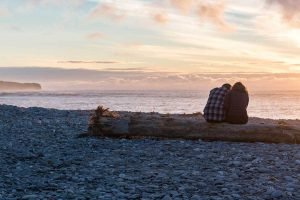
(150, 44)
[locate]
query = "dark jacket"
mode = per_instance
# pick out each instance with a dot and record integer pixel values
(235, 104)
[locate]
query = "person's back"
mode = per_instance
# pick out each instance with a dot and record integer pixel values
(214, 109)
(236, 103)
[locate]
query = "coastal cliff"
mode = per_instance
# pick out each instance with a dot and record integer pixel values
(4, 85)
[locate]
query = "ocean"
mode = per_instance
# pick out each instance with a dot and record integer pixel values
(271, 104)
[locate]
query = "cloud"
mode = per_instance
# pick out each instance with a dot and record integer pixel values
(36, 3)
(87, 62)
(205, 10)
(290, 11)
(135, 78)
(160, 18)
(162, 11)
(214, 13)
(95, 36)
(107, 10)
(140, 69)
(4, 11)
(182, 5)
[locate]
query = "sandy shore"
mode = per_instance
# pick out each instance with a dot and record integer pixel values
(41, 158)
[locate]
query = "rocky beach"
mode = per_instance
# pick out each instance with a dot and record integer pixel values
(42, 157)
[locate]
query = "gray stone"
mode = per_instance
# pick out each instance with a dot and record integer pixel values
(174, 193)
(276, 194)
(122, 176)
(30, 196)
(289, 179)
(237, 163)
(272, 192)
(195, 197)
(237, 196)
(167, 197)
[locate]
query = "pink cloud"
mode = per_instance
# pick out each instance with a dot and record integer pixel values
(204, 9)
(160, 18)
(214, 13)
(3, 11)
(290, 11)
(207, 11)
(182, 5)
(107, 10)
(95, 36)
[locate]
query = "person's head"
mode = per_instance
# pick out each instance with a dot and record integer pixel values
(238, 86)
(227, 86)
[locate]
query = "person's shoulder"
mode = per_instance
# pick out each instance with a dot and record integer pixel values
(219, 90)
(215, 89)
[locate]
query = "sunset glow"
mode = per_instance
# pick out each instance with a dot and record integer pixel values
(169, 44)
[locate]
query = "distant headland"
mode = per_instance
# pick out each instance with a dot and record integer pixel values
(7, 86)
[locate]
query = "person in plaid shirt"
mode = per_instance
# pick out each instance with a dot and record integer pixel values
(214, 110)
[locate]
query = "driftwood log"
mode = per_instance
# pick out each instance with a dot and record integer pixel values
(190, 126)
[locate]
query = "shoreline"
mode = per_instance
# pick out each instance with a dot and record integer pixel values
(177, 126)
(251, 118)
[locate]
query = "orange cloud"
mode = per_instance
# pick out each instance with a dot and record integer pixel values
(290, 11)
(107, 10)
(87, 62)
(214, 13)
(206, 10)
(95, 36)
(182, 5)
(160, 18)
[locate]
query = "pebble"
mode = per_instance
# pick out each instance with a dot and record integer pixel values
(122, 176)
(276, 194)
(30, 196)
(236, 196)
(40, 154)
(288, 179)
(167, 197)
(196, 197)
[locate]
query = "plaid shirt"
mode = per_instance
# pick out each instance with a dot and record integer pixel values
(214, 109)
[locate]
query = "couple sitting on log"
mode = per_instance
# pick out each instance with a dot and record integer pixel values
(227, 104)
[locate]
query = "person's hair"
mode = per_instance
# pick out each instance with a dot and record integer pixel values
(227, 85)
(238, 86)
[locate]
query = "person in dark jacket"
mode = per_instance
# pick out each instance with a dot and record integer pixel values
(236, 103)
(214, 110)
